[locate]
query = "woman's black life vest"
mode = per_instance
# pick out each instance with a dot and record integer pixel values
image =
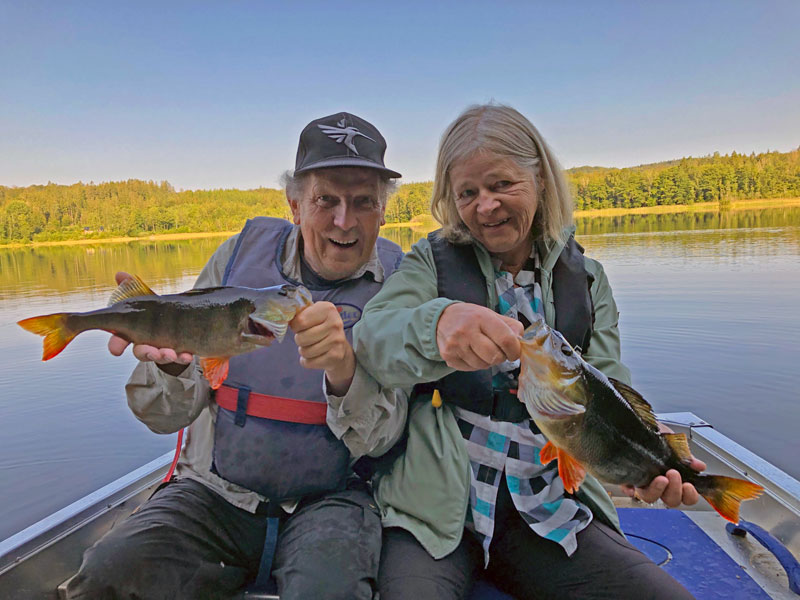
(459, 277)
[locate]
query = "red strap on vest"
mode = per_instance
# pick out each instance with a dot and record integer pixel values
(275, 407)
(175, 458)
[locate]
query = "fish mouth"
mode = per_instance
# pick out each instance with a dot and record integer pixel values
(262, 329)
(303, 296)
(299, 294)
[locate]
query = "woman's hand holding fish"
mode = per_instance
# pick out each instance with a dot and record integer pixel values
(320, 338)
(472, 337)
(668, 487)
(168, 360)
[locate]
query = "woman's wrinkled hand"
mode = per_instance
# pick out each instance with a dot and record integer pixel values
(472, 337)
(669, 488)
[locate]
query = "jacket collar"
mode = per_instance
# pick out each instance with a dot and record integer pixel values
(548, 250)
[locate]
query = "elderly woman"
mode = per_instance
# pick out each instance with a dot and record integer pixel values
(466, 490)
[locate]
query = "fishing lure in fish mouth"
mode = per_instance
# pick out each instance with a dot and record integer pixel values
(602, 426)
(214, 324)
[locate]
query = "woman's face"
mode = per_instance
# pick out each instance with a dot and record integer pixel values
(497, 200)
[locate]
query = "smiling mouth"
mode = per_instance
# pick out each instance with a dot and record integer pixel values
(343, 244)
(497, 223)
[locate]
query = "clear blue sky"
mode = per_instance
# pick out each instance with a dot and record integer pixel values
(214, 94)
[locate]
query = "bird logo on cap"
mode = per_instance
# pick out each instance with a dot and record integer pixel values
(343, 135)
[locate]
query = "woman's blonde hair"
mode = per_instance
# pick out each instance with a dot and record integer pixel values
(500, 130)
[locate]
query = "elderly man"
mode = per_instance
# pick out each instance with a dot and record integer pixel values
(263, 487)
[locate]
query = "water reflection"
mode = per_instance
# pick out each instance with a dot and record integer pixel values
(65, 269)
(689, 221)
(404, 237)
(708, 320)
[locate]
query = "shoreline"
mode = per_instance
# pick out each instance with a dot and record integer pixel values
(428, 223)
(753, 204)
(702, 207)
(156, 237)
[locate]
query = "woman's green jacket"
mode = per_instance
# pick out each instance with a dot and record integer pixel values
(426, 491)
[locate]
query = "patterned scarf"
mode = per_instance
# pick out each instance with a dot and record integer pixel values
(498, 446)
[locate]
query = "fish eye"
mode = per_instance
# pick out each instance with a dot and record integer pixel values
(566, 350)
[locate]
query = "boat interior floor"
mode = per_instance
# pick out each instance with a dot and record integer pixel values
(694, 547)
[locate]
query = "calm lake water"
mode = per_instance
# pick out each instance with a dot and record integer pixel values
(709, 323)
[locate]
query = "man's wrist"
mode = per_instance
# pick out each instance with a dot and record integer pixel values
(339, 379)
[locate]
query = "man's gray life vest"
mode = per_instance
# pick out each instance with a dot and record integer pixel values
(288, 455)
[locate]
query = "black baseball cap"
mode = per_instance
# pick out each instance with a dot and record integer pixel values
(341, 140)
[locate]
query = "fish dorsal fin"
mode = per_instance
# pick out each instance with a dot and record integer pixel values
(215, 370)
(640, 406)
(130, 288)
(679, 445)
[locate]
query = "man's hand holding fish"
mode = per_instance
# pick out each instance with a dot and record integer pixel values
(170, 361)
(319, 335)
(322, 343)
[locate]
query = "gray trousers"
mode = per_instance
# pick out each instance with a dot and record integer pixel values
(605, 566)
(187, 542)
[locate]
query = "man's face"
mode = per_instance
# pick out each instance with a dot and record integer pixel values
(340, 215)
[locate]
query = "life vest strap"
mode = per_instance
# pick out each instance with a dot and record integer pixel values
(175, 458)
(274, 407)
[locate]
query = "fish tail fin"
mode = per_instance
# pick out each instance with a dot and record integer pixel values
(570, 470)
(54, 330)
(725, 494)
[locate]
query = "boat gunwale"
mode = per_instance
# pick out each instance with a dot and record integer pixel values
(780, 485)
(48, 531)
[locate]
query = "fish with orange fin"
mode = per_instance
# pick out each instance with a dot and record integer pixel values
(602, 426)
(212, 323)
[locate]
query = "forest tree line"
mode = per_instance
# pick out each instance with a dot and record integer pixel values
(133, 208)
(688, 181)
